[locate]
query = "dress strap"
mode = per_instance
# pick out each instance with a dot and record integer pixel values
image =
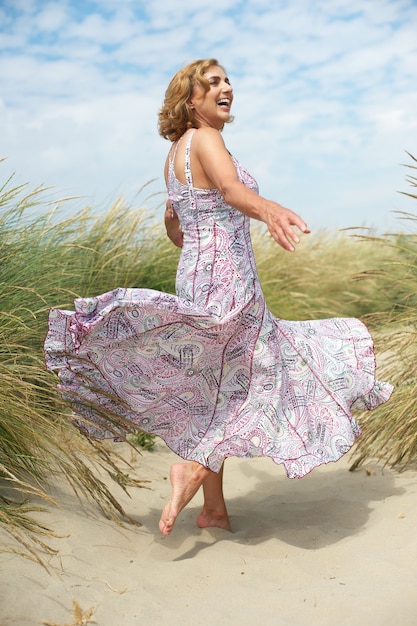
(187, 164)
(173, 152)
(187, 169)
(187, 161)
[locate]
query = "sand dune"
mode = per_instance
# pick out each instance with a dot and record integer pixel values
(333, 548)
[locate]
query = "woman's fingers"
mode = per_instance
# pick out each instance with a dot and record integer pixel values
(281, 228)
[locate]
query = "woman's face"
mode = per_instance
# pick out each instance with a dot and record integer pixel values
(212, 108)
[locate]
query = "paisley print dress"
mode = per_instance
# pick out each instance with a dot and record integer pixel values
(210, 370)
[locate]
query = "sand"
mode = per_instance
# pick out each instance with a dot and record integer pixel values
(336, 547)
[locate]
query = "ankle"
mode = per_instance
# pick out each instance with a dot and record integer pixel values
(214, 510)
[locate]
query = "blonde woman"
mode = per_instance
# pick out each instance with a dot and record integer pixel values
(211, 370)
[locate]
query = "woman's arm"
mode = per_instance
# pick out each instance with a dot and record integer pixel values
(172, 225)
(215, 162)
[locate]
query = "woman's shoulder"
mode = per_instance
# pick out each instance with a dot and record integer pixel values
(207, 138)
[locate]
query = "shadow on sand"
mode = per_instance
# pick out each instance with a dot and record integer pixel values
(323, 508)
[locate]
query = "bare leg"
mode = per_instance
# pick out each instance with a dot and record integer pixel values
(186, 479)
(214, 511)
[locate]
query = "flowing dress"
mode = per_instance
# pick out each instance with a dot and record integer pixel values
(210, 370)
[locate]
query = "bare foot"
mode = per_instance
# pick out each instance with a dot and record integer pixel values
(186, 479)
(214, 513)
(214, 519)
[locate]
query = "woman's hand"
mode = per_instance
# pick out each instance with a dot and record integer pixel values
(173, 226)
(280, 221)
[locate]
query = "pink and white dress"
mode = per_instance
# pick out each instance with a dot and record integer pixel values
(210, 370)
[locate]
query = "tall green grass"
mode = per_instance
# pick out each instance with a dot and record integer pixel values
(390, 433)
(44, 263)
(331, 274)
(48, 261)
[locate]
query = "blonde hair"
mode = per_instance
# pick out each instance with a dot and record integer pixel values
(176, 116)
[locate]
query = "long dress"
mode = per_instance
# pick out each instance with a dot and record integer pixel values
(210, 370)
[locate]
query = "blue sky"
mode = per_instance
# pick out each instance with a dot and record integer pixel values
(325, 98)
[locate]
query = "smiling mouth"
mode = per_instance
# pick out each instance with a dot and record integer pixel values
(224, 103)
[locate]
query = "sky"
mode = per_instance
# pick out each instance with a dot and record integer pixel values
(325, 99)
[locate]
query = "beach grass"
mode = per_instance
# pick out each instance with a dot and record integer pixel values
(47, 261)
(332, 274)
(390, 433)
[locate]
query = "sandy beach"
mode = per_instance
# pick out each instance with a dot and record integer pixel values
(336, 547)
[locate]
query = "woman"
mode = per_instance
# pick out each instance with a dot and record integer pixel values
(211, 370)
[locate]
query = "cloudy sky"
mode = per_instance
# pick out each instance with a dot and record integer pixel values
(325, 98)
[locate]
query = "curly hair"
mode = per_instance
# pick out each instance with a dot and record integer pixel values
(176, 116)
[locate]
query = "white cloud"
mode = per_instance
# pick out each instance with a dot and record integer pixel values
(51, 17)
(325, 95)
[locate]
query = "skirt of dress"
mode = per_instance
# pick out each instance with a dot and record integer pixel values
(245, 385)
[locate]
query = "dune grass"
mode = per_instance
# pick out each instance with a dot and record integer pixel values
(48, 261)
(390, 433)
(331, 274)
(43, 263)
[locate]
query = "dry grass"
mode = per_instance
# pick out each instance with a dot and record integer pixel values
(46, 263)
(81, 617)
(390, 433)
